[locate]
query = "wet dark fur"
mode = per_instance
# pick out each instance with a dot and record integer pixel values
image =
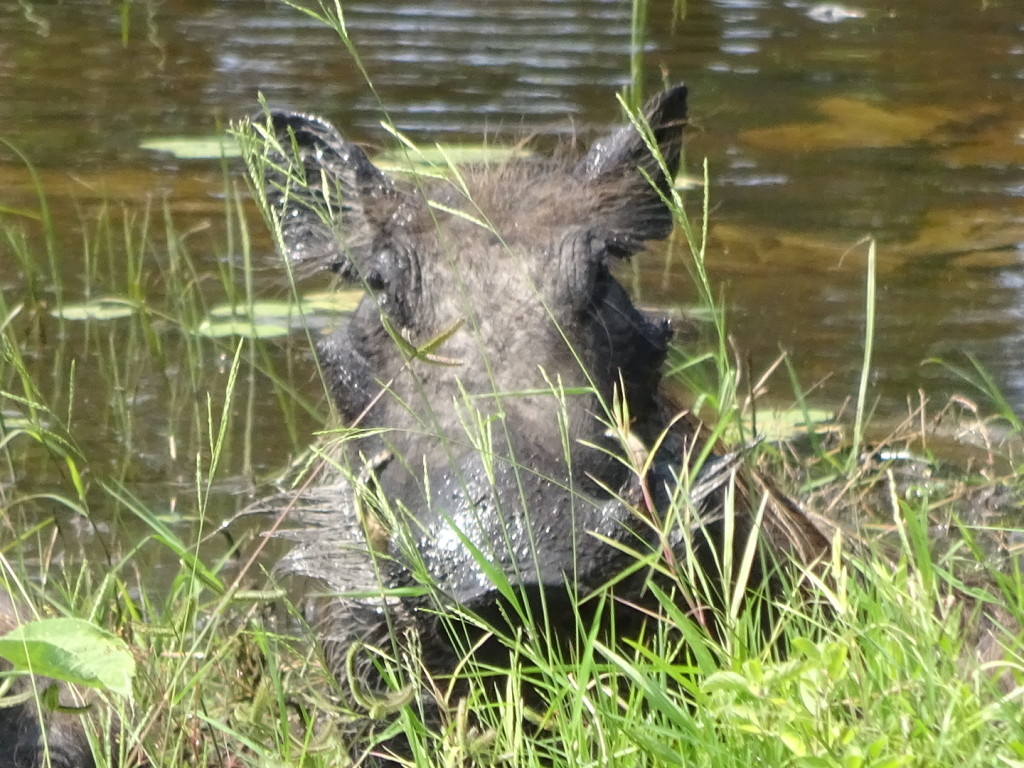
(22, 736)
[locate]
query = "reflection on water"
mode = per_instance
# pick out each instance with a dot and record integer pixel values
(822, 124)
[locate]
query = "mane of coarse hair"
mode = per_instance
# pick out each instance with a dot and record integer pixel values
(525, 200)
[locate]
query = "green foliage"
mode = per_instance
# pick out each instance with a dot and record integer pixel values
(73, 651)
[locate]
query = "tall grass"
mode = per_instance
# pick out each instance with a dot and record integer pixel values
(869, 344)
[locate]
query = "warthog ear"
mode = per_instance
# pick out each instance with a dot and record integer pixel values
(331, 201)
(635, 211)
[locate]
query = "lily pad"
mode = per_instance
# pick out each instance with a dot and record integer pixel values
(776, 425)
(72, 650)
(194, 147)
(271, 319)
(441, 156)
(244, 327)
(342, 301)
(105, 308)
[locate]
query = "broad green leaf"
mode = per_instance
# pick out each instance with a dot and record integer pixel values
(794, 742)
(727, 680)
(72, 650)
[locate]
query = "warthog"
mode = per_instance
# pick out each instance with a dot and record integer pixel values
(508, 443)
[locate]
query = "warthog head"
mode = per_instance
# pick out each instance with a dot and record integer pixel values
(509, 263)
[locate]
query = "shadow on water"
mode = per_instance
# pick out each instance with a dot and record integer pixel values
(821, 124)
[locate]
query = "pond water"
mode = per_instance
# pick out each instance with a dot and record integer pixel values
(822, 125)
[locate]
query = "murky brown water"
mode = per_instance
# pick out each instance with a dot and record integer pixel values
(902, 121)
